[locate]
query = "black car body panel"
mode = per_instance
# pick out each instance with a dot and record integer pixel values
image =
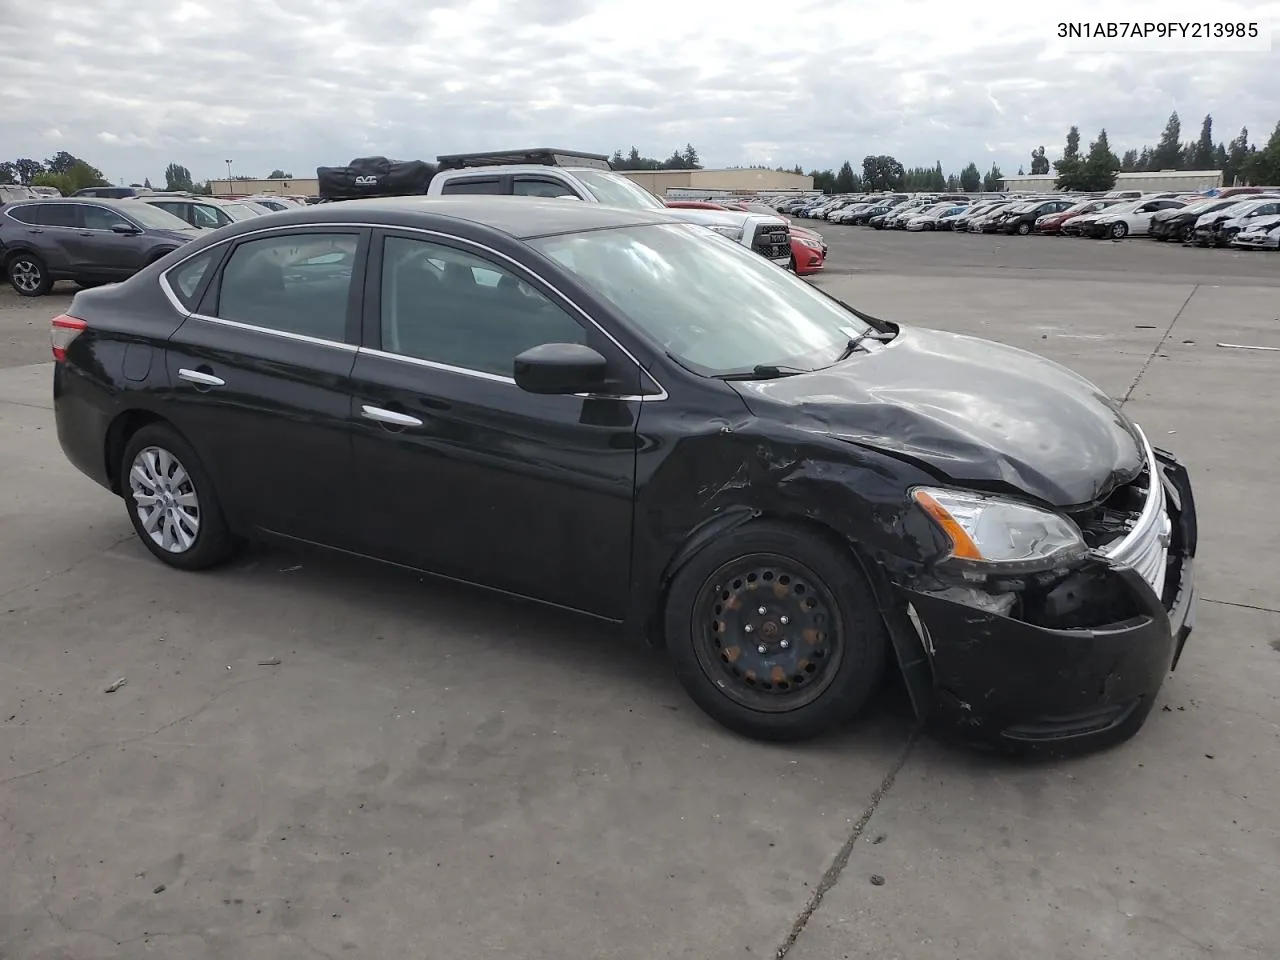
(593, 502)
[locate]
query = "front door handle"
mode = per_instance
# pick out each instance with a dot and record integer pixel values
(200, 378)
(382, 415)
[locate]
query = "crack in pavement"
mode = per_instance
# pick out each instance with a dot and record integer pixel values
(1242, 606)
(128, 740)
(834, 872)
(75, 563)
(1158, 347)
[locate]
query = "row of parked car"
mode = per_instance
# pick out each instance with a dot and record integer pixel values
(94, 240)
(1243, 217)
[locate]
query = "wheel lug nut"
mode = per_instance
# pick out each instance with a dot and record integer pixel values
(762, 649)
(762, 610)
(748, 629)
(784, 620)
(784, 644)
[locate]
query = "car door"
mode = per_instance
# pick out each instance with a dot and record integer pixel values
(102, 252)
(459, 471)
(257, 378)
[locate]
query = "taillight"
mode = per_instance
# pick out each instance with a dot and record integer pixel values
(63, 330)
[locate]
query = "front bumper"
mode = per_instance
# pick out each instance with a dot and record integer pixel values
(1254, 241)
(1024, 685)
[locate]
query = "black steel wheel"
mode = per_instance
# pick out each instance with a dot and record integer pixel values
(774, 632)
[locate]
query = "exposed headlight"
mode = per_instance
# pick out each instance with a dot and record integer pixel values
(733, 233)
(811, 244)
(992, 534)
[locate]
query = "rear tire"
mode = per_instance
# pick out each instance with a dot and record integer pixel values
(825, 641)
(28, 275)
(171, 501)
(1024, 229)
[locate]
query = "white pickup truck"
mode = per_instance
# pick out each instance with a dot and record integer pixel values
(588, 177)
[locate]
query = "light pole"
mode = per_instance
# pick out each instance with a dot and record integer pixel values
(231, 184)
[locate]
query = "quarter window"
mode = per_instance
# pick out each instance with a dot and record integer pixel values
(185, 278)
(446, 306)
(29, 213)
(297, 283)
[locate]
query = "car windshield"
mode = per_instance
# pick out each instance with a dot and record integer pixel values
(152, 216)
(712, 304)
(616, 191)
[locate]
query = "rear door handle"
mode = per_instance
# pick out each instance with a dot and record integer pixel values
(382, 415)
(34, 230)
(201, 379)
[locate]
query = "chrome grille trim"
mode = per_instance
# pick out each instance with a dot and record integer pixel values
(1146, 546)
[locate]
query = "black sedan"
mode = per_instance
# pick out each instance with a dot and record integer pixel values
(635, 418)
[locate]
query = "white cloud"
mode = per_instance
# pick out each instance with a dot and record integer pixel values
(133, 85)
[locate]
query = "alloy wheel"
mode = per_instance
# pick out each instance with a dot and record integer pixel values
(26, 275)
(767, 632)
(165, 498)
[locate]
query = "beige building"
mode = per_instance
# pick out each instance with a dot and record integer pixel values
(744, 179)
(296, 187)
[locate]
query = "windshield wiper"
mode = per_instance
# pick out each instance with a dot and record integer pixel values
(763, 371)
(854, 342)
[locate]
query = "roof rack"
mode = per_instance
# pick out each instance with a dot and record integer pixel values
(543, 156)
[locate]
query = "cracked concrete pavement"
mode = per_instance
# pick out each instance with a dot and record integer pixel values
(432, 771)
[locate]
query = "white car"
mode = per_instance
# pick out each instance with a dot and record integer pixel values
(1126, 218)
(927, 219)
(845, 214)
(1262, 234)
(1218, 228)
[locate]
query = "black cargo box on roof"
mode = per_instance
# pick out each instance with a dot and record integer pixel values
(375, 177)
(544, 156)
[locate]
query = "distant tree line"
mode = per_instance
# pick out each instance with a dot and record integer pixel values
(686, 159)
(65, 171)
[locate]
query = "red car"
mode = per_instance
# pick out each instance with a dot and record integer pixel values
(1052, 224)
(808, 249)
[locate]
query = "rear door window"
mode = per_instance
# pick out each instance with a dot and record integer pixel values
(474, 185)
(298, 283)
(59, 215)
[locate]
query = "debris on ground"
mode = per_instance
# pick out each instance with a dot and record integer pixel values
(270, 662)
(877, 880)
(1245, 346)
(116, 685)
(879, 839)
(159, 889)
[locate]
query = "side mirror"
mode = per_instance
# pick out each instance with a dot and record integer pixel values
(127, 229)
(560, 368)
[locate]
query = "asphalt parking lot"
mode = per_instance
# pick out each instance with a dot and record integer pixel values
(430, 771)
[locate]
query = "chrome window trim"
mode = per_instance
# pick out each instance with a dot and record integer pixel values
(177, 304)
(68, 202)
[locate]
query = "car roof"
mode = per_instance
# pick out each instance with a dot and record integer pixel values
(122, 202)
(520, 217)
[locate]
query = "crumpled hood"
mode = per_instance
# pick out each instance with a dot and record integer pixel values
(977, 411)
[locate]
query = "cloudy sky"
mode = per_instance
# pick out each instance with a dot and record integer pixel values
(131, 85)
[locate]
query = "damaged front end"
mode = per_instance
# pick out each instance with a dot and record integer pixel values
(1077, 649)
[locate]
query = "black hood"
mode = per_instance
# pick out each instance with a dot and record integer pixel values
(978, 412)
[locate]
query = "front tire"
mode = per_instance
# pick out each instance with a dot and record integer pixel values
(1024, 229)
(171, 501)
(823, 638)
(1119, 230)
(28, 275)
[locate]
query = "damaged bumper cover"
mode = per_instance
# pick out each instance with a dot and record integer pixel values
(1086, 661)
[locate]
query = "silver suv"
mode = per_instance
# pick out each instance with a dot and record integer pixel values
(85, 239)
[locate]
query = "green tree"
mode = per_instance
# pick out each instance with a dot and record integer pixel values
(824, 180)
(8, 172)
(953, 183)
(276, 174)
(1202, 153)
(146, 183)
(1263, 167)
(177, 177)
(1039, 162)
(77, 176)
(1129, 161)
(61, 163)
(882, 172)
(1168, 152)
(690, 156)
(1072, 151)
(1096, 172)
(970, 179)
(1238, 151)
(845, 182)
(27, 169)
(991, 181)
